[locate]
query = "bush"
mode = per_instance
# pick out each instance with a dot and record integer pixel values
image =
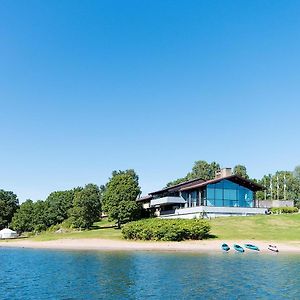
(166, 230)
(284, 210)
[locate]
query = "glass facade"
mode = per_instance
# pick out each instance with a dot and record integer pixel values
(230, 194)
(191, 198)
(224, 193)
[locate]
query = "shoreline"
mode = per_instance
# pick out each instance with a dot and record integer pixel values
(95, 244)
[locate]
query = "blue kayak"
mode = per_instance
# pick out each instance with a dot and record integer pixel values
(225, 247)
(238, 248)
(252, 247)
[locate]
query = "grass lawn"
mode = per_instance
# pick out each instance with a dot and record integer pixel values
(261, 227)
(101, 230)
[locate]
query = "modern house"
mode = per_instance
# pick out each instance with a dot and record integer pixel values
(226, 195)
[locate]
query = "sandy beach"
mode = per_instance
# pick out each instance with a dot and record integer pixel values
(207, 246)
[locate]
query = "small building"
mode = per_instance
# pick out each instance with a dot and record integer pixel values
(7, 233)
(225, 195)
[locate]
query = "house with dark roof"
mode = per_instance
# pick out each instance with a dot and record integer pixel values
(225, 195)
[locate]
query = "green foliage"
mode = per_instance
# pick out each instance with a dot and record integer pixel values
(32, 216)
(241, 171)
(23, 218)
(297, 172)
(284, 210)
(201, 169)
(204, 170)
(82, 205)
(292, 186)
(176, 181)
(40, 216)
(9, 204)
(119, 197)
(86, 207)
(166, 230)
(58, 204)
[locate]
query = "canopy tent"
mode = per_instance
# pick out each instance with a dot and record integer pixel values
(7, 233)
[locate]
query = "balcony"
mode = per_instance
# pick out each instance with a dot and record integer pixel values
(167, 201)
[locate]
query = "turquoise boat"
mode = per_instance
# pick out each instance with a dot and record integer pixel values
(238, 248)
(225, 247)
(251, 247)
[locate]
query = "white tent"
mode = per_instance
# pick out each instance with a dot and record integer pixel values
(7, 233)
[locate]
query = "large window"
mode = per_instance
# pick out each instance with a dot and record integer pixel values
(191, 198)
(227, 193)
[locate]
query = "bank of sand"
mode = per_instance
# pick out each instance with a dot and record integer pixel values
(207, 246)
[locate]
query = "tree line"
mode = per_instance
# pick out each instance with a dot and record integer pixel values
(205, 170)
(282, 185)
(79, 207)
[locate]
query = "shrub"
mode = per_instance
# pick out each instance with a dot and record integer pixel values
(284, 210)
(166, 230)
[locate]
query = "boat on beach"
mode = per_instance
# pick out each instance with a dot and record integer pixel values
(273, 248)
(238, 248)
(251, 247)
(225, 247)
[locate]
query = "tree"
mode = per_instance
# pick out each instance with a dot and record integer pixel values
(9, 204)
(241, 171)
(204, 170)
(176, 181)
(297, 172)
(58, 204)
(40, 218)
(274, 185)
(201, 169)
(23, 218)
(32, 216)
(86, 207)
(119, 197)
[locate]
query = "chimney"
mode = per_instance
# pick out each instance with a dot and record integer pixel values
(224, 172)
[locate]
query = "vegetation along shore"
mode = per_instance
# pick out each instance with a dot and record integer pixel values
(111, 212)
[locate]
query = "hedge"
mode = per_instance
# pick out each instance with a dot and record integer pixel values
(284, 210)
(166, 230)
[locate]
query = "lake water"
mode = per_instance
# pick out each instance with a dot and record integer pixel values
(43, 274)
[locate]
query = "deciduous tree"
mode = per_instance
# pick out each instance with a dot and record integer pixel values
(241, 171)
(86, 207)
(9, 204)
(23, 218)
(203, 169)
(58, 204)
(119, 197)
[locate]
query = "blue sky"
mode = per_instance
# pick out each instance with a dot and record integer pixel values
(87, 87)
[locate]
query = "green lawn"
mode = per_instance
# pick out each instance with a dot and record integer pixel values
(103, 230)
(263, 227)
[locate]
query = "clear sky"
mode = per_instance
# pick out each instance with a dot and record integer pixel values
(87, 87)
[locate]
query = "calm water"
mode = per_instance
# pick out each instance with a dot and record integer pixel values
(42, 274)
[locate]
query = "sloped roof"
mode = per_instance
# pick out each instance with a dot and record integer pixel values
(178, 186)
(144, 198)
(234, 178)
